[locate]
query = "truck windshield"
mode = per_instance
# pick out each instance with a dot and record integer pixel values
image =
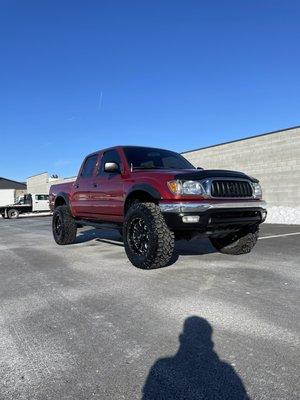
(148, 158)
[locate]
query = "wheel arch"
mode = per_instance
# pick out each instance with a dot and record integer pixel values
(61, 199)
(141, 193)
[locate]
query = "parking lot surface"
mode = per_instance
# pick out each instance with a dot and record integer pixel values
(80, 322)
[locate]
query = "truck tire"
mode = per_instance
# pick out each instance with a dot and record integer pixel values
(238, 243)
(64, 227)
(13, 213)
(148, 241)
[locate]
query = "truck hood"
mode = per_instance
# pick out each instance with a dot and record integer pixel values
(213, 173)
(196, 174)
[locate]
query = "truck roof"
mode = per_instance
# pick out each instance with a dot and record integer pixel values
(127, 146)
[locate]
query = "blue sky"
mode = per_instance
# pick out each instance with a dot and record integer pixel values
(77, 76)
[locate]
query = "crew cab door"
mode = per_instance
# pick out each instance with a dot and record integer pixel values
(81, 195)
(107, 195)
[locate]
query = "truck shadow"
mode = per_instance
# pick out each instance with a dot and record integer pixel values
(100, 235)
(195, 371)
(197, 246)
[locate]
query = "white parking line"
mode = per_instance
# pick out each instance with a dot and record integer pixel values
(274, 236)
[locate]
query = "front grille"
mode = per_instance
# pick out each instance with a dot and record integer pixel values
(229, 188)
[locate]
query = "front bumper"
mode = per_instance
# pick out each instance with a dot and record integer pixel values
(213, 216)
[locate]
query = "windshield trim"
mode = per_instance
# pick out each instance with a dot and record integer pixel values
(178, 156)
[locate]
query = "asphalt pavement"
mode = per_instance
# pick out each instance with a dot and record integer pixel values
(80, 322)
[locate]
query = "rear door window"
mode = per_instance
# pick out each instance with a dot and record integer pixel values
(89, 166)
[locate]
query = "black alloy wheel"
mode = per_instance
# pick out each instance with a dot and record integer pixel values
(138, 236)
(57, 224)
(148, 241)
(64, 226)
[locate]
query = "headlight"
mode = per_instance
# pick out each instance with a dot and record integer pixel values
(257, 192)
(192, 187)
(186, 187)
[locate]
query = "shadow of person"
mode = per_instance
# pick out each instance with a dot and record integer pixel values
(195, 372)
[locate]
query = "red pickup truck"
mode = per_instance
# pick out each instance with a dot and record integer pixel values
(153, 197)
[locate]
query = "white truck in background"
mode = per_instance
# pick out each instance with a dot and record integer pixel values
(29, 203)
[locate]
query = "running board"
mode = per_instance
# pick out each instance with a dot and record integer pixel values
(98, 225)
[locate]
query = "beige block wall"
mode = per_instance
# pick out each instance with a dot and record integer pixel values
(41, 183)
(273, 158)
(38, 183)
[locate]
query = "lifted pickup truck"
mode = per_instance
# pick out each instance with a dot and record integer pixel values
(30, 203)
(154, 197)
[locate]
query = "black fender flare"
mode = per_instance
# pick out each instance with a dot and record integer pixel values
(64, 196)
(144, 187)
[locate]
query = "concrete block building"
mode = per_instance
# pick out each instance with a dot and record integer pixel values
(273, 158)
(40, 183)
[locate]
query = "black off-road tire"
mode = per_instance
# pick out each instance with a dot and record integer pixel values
(13, 213)
(238, 243)
(66, 234)
(160, 240)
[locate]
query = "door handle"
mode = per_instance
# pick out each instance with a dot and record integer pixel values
(76, 186)
(95, 185)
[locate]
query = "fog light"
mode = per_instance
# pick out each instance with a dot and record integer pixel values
(190, 218)
(263, 216)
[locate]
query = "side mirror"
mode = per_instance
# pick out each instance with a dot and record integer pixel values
(112, 167)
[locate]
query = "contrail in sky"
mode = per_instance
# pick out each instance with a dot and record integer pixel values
(100, 101)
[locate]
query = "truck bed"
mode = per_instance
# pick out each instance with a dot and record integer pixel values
(59, 188)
